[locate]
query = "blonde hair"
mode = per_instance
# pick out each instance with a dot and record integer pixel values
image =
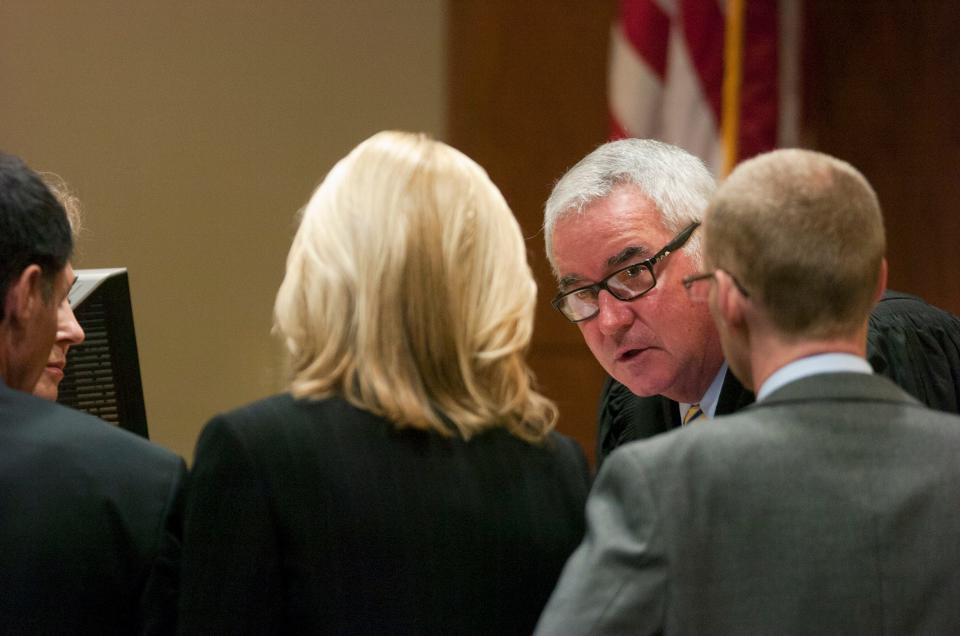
(67, 198)
(803, 232)
(408, 293)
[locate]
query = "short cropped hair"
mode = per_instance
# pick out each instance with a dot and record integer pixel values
(803, 232)
(407, 292)
(33, 226)
(678, 183)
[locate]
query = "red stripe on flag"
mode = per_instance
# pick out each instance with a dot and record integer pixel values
(647, 29)
(759, 95)
(703, 29)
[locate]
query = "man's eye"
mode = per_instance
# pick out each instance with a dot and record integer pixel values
(585, 294)
(631, 272)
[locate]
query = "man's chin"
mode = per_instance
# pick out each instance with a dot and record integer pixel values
(641, 390)
(643, 375)
(643, 385)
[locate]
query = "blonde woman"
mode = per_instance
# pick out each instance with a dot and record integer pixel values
(409, 482)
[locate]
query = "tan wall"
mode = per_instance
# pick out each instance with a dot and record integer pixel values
(192, 132)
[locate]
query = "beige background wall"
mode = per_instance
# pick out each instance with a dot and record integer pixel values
(192, 133)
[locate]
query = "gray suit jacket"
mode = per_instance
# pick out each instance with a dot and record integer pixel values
(832, 507)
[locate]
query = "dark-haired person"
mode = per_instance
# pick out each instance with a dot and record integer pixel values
(89, 514)
(830, 506)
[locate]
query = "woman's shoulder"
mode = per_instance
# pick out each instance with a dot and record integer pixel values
(563, 445)
(284, 407)
(570, 451)
(284, 412)
(557, 453)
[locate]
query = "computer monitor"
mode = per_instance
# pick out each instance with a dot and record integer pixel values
(102, 376)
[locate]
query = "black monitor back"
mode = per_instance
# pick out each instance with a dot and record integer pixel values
(102, 376)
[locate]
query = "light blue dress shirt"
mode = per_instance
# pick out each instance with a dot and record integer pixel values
(813, 365)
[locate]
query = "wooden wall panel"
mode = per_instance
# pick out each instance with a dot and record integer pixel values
(883, 92)
(526, 99)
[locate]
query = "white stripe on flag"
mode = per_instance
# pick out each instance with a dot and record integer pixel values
(676, 107)
(687, 120)
(635, 90)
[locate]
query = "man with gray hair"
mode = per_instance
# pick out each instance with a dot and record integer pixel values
(621, 233)
(626, 216)
(829, 506)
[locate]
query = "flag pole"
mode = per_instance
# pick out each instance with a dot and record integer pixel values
(732, 81)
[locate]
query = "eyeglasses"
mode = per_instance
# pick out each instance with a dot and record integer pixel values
(700, 293)
(629, 283)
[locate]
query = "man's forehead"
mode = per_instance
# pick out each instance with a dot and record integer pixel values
(625, 212)
(608, 234)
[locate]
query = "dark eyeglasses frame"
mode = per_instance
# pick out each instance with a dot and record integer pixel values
(678, 241)
(688, 281)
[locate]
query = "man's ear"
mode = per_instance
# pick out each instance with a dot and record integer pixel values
(25, 295)
(729, 300)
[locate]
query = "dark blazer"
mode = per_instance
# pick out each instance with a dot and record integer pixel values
(829, 508)
(89, 523)
(909, 341)
(317, 517)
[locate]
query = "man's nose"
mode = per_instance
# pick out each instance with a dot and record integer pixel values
(71, 330)
(614, 315)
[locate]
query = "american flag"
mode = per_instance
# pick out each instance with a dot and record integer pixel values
(716, 77)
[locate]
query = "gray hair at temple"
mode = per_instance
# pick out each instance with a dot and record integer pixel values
(678, 183)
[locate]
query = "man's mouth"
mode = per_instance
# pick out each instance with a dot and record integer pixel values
(629, 354)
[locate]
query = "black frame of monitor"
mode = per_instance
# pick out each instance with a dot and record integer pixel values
(102, 376)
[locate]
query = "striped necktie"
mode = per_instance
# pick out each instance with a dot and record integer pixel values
(693, 412)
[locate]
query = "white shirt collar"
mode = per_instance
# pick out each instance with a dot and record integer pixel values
(813, 365)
